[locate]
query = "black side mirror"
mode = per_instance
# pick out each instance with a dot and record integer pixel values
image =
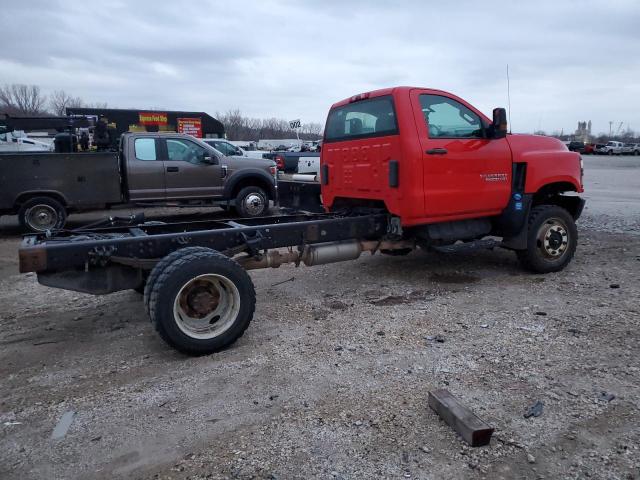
(499, 124)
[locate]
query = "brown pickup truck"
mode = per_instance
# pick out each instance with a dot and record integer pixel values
(150, 169)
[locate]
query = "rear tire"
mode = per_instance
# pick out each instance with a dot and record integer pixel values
(160, 266)
(40, 214)
(202, 302)
(252, 202)
(552, 239)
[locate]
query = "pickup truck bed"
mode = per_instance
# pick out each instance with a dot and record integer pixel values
(289, 160)
(84, 180)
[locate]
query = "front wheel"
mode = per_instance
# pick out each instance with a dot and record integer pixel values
(552, 239)
(252, 202)
(202, 302)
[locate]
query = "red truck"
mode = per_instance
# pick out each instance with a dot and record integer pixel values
(401, 168)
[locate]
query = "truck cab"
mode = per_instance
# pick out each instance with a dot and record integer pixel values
(443, 168)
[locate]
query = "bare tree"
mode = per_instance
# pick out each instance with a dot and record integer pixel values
(60, 100)
(96, 105)
(239, 127)
(21, 99)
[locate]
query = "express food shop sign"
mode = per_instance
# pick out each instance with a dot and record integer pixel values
(152, 118)
(190, 126)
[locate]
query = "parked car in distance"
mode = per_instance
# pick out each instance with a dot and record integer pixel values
(589, 149)
(627, 149)
(287, 162)
(636, 149)
(230, 150)
(225, 147)
(613, 148)
(20, 142)
(576, 146)
(600, 149)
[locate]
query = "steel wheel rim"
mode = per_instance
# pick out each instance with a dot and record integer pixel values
(254, 203)
(206, 306)
(553, 239)
(42, 217)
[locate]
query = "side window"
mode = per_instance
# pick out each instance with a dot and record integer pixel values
(145, 148)
(184, 151)
(447, 118)
(224, 148)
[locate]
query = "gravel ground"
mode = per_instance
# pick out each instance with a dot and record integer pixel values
(331, 378)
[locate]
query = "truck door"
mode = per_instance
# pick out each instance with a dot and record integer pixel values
(145, 170)
(465, 174)
(186, 173)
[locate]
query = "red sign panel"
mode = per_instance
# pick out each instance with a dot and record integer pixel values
(190, 126)
(149, 118)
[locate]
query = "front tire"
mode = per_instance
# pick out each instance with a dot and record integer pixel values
(40, 214)
(252, 202)
(202, 302)
(552, 240)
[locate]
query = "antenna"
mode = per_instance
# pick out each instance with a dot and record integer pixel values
(509, 98)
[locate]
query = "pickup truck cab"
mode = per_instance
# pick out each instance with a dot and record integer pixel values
(448, 173)
(613, 148)
(150, 169)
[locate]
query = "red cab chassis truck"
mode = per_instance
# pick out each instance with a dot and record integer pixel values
(401, 168)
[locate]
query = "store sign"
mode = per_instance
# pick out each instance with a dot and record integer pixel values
(148, 118)
(190, 126)
(295, 124)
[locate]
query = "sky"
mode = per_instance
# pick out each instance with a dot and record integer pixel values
(568, 60)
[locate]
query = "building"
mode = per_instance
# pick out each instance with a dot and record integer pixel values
(198, 124)
(583, 132)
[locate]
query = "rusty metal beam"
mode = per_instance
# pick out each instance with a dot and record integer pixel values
(475, 431)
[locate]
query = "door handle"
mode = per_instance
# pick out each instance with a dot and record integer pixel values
(436, 151)
(173, 169)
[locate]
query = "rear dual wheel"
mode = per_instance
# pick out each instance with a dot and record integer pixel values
(199, 300)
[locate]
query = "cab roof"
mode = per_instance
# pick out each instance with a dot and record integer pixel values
(399, 90)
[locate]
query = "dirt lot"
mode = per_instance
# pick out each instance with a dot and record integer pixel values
(331, 378)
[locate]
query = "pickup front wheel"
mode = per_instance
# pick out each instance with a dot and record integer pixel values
(40, 214)
(552, 239)
(252, 202)
(202, 301)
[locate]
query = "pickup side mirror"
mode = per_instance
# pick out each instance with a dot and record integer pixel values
(209, 159)
(498, 127)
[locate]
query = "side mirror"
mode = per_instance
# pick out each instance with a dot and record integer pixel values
(499, 124)
(209, 159)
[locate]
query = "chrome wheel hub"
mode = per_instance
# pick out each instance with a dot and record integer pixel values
(254, 204)
(553, 238)
(42, 217)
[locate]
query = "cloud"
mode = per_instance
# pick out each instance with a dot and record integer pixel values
(568, 61)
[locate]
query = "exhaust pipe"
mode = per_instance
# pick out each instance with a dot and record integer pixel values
(322, 253)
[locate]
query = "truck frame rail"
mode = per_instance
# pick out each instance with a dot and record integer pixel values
(62, 253)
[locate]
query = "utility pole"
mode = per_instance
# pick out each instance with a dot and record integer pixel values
(610, 128)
